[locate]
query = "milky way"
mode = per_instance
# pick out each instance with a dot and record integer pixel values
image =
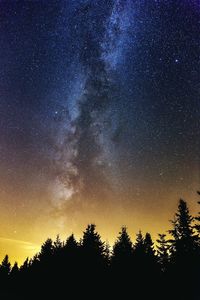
(99, 114)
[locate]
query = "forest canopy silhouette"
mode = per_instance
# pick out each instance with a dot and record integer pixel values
(142, 269)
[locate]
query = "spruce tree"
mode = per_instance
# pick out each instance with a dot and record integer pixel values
(91, 242)
(71, 243)
(184, 239)
(183, 254)
(15, 270)
(47, 250)
(57, 245)
(5, 267)
(122, 249)
(163, 251)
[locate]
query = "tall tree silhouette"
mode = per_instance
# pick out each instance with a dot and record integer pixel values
(93, 257)
(150, 257)
(184, 238)
(139, 248)
(92, 244)
(71, 243)
(145, 265)
(15, 270)
(148, 245)
(57, 245)
(163, 251)
(5, 268)
(184, 252)
(14, 278)
(122, 250)
(46, 250)
(71, 261)
(122, 263)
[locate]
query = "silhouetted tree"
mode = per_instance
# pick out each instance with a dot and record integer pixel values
(25, 265)
(5, 267)
(93, 264)
(15, 270)
(139, 245)
(121, 264)
(14, 278)
(149, 246)
(57, 245)
(184, 239)
(163, 251)
(145, 265)
(46, 250)
(91, 241)
(71, 243)
(122, 250)
(183, 252)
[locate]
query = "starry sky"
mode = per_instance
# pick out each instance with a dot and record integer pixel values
(99, 117)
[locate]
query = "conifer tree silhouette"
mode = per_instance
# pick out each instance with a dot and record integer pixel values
(184, 239)
(71, 244)
(163, 251)
(148, 245)
(122, 264)
(93, 262)
(91, 241)
(5, 268)
(57, 245)
(71, 262)
(184, 252)
(15, 270)
(25, 265)
(122, 250)
(46, 250)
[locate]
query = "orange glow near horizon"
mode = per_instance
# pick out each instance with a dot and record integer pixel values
(27, 239)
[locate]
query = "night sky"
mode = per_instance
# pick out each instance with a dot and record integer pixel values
(99, 117)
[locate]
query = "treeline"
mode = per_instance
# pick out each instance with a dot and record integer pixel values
(89, 269)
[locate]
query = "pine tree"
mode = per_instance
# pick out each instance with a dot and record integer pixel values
(122, 249)
(163, 251)
(5, 267)
(148, 245)
(184, 254)
(57, 245)
(14, 277)
(139, 245)
(184, 238)
(46, 250)
(150, 257)
(25, 265)
(14, 270)
(71, 243)
(122, 264)
(92, 266)
(92, 243)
